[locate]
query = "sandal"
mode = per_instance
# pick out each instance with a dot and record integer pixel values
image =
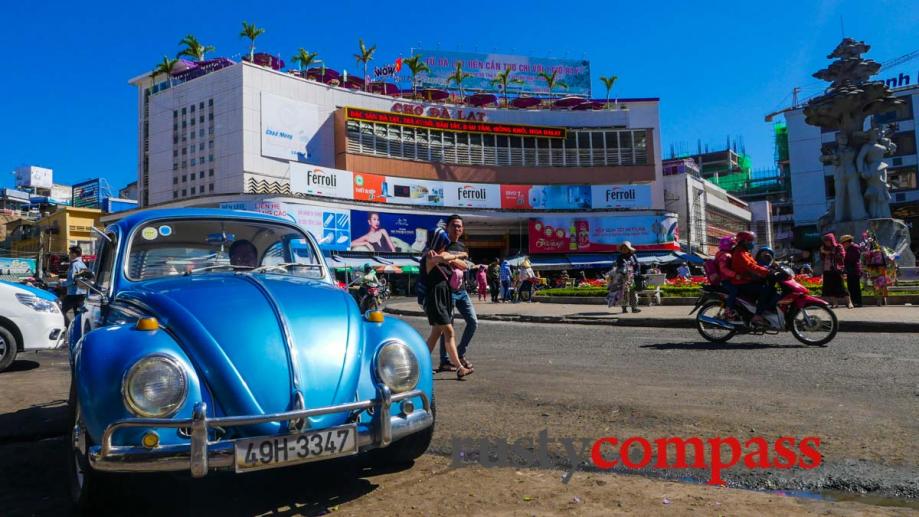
(465, 363)
(445, 367)
(463, 372)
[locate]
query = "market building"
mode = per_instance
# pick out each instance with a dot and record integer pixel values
(564, 179)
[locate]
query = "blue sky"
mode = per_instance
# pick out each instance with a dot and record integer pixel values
(717, 67)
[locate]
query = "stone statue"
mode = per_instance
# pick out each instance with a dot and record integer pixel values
(845, 107)
(849, 204)
(873, 169)
(849, 100)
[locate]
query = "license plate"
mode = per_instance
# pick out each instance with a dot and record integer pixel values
(274, 451)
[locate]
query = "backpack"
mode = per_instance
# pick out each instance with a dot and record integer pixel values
(421, 288)
(711, 272)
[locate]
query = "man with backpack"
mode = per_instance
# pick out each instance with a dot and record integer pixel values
(461, 300)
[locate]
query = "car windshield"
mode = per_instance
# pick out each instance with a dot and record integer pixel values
(192, 247)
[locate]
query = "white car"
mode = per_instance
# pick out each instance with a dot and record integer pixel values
(30, 318)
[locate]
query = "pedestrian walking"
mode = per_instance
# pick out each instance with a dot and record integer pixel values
(853, 266)
(505, 275)
(494, 279)
(683, 271)
(76, 293)
(461, 300)
(627, 263)
(833, 257)
(438, 276)
(481, 281)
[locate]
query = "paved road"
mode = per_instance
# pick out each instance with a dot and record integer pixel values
(860, 395)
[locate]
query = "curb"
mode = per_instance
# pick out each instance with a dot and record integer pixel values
(681, 323)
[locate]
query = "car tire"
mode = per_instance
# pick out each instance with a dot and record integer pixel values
(88, 488)
(407, 449)
(9, 347)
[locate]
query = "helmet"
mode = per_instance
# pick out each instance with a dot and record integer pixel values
(745, 236)
(766, 249)
(727, 243)
(367, 268)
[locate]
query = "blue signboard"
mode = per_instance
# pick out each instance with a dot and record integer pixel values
(16, 266)
(389, 232)
(87, 194)
(573, 73)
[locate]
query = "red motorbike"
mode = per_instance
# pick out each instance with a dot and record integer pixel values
(809, 318)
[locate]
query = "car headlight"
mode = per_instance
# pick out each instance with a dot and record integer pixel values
(155, 386)
(36, 303)
(397, 366)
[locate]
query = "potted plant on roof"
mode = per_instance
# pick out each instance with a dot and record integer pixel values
(552, 81)
(164, 67)
(252, 32)
(304, 59)
(194, 48)
(503, 79)
(415, 66)
(364, 56)
(458, 76)
(608, 82)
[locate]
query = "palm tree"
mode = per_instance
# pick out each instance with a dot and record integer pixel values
(415, 66)
(608, 82)
(458, 77)
(164, 67)
(252, 32)
(502, 79)
(551, 80)
(194, 48)
(365, 55)
(304, 58)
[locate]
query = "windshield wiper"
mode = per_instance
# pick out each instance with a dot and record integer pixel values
(218, 266)
(284, 265)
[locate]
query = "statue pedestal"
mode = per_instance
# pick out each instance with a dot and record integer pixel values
(892, 233)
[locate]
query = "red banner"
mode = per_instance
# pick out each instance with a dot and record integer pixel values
(467, 126)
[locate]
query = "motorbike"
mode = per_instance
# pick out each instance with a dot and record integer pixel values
(371, 299)
(809, 318)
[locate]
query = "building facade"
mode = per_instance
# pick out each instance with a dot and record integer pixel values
(249, 136)
(705, 211)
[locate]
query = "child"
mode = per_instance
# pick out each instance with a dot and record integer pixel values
(725, 273)
(481, 280)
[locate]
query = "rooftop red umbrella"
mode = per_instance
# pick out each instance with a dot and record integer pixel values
(569, 102)
(323, 75)
(481, 99)
(430, 94)
(383, 88)
(589, 105)
(354, 82)
(525, 102)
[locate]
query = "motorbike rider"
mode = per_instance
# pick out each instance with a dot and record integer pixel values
(750, 276)
(368, 279)
(765, 256)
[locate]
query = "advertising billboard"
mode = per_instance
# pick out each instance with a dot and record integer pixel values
(32, 176)
(568, 234)
(321, 181)
(330, 227)
(575, 73)
(621, 196)
(545, 197)
(472, 195)
(288, 128)
(388, 232)
(87, 194)
(16, 266)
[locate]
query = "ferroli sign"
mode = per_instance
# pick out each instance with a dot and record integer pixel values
(320, 181)
(473, 195)
(621, 196)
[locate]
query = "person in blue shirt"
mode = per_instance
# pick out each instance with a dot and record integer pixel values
(76, 293)
(506, 277)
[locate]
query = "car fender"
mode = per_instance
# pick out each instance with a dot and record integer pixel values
(101, 360)
(375, 334)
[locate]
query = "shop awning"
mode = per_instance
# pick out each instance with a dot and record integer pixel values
(407, 264)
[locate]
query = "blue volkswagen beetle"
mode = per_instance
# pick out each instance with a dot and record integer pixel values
(215, 339)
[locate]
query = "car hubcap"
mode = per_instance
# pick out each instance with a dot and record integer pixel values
(3, 348)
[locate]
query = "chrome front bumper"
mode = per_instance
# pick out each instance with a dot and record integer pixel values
(201, 455)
